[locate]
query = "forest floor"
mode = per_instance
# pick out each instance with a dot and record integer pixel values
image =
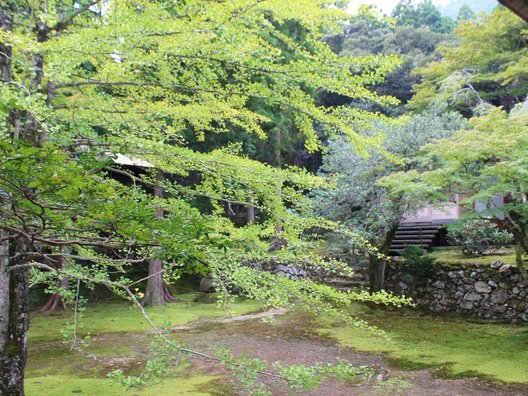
(424, 355)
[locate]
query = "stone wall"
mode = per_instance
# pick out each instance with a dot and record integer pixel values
(494, 291)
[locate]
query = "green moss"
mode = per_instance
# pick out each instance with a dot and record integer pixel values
(59, 385)
(454, 346)
(123, 317)
(454, 256)
(58, 358)
(120, 339)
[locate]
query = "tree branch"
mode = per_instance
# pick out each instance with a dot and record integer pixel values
(62, 25)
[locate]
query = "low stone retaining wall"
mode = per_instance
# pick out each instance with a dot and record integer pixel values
(494, 291)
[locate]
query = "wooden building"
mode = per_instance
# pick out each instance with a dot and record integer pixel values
(520, 7)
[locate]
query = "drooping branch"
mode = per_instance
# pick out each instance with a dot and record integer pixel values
(137, 303)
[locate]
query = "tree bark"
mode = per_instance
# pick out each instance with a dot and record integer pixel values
(14, 283)
(154, 291)
(518, 259)
(278, 164)
(56, 300)
(14, 322)
(277, 242)
(378, 266)
(157, 291)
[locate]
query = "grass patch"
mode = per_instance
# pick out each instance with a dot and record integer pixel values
(114, 317)
(120, 340)
(453, 345)
(454, 256)
(59, 385)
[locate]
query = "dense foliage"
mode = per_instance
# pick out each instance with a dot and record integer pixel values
(358, 200)
(133, 134)
(422, 14)
(477, 237)
(98, 101)
(368, 34)
(487, 65)
(485, 161)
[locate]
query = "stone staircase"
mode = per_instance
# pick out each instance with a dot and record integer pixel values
(355, 282)
(414, 234)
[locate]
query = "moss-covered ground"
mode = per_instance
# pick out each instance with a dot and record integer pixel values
(119, 338)
(111, 317)
(454, 256)
(453, 346)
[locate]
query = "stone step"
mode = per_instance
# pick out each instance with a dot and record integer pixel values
(347, 284)
(412, 240)
(405, 227)
(412, 232)
(397, 245)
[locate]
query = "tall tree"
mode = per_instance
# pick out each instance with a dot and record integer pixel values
(487, 65)
(422, 14)
(84, 82)
(359, 201)
(464, 14)
(369, 34)
(484, 162)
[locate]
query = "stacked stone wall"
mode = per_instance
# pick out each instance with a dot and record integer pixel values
(495, 291)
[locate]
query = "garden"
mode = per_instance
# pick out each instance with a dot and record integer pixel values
(263, 197)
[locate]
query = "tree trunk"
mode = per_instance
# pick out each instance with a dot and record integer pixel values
(14, 321)
(157, 292)
(14, 283)
(250, 210)
(154, 291)
(277, 242)
(278, 165)
(378, 266)
(56, 300)
(517, 227)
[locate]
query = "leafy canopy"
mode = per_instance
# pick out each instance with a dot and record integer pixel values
(133, 78)
(488, 65)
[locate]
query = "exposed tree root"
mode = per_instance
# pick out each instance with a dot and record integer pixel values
(54, 302)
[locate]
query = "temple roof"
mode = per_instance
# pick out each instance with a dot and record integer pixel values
(520, 7)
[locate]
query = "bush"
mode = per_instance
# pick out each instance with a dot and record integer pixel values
(477, 237)
(418, 262)
(416, 256)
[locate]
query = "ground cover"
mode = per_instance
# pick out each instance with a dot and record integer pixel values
(454, 256)
(119, 338)
(119, 317)
(453, 346)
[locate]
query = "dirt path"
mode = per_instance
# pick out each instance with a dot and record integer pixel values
(291, 341)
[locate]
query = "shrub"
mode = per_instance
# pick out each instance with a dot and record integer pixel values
(477, 237)
(418, 261)
(416, 256)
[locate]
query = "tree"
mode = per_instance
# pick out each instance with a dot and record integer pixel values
(485, 161)
(368, 34)
(423, 14)
(464, 14)
(83, 83)
(359, 201)
(488, 65)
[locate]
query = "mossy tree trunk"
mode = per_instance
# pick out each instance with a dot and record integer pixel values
(14, 319)
(14, 277)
